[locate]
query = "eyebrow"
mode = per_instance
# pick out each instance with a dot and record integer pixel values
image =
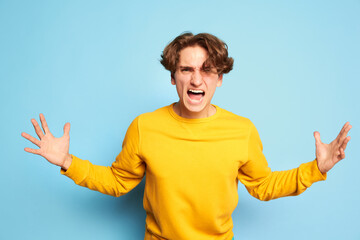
(186, 68)
(190, 67)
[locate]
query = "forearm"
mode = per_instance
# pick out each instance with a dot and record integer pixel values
(98, 178)
(287, 183)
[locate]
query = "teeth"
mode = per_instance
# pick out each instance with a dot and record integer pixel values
(196, 91)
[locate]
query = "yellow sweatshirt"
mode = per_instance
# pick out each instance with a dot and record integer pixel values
(192, 170)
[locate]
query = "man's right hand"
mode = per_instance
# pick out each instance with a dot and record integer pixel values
(55, 150)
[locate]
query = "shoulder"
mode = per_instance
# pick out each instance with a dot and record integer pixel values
(233, 118)
(152, 119)
(158, 113)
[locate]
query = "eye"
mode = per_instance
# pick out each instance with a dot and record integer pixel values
(206, 69)
(186, 69)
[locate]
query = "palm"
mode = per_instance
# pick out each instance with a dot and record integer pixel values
(53, 149)
(328, 155)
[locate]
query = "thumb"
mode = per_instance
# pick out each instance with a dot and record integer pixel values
(67, 129)
(317, 137)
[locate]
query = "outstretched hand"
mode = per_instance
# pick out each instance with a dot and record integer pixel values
(55, 150)
(327, 155)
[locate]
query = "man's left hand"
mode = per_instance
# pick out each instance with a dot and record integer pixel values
(327, 155)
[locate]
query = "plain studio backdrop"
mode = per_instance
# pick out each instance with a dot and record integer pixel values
(96, 65)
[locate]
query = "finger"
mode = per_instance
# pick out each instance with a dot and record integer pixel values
(31, 150)
(37, 128)
(67, 129)
(344, 133)
(344, 144)
(44, 124)
(348, 128)
(342, 153)
(344, 127)
(317, 137)
(31, 139)
(342, 130)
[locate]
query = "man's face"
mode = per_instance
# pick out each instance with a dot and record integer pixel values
(195, 83)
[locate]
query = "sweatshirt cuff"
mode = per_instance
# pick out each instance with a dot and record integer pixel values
(311, 173)
(322, 176)
(77, 170)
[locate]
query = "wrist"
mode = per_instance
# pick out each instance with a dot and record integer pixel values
(320, 167)
(67, 162)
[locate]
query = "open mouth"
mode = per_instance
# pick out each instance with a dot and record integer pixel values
(195, 94)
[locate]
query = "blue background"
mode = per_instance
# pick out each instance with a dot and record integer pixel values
(96, 65)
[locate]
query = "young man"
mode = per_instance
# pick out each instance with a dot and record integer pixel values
(193, 152)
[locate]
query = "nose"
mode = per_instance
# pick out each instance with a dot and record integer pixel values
(196, 78)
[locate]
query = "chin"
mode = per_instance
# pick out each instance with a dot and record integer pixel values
(195, 108)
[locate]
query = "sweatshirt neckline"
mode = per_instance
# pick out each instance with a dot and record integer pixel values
(193, 120)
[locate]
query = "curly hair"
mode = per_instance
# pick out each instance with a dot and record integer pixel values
(217, 51)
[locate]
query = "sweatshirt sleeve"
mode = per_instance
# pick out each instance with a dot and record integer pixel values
(264, 184)
(124, 174)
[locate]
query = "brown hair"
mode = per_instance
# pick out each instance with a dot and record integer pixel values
(217, 51)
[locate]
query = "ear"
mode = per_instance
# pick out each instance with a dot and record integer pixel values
(173, 82)
(219, 83)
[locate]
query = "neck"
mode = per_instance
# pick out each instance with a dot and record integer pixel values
(183, 112)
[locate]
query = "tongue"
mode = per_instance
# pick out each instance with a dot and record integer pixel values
(195, 96)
